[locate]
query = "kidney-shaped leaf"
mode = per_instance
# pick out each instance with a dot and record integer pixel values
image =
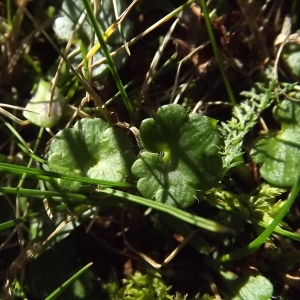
(181, 156)
(279, 156)
(92, 148)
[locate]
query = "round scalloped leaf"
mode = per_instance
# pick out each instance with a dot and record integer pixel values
(279, 156)
(92, 148)
(181, 156)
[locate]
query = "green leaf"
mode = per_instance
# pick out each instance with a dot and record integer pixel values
(70, 14)
(279, 156)
(254, 288)
(291, 57)
(181, 156)
(39, 111)
(244, 117)
(92, 148)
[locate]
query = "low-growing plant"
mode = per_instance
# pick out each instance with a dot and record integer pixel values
(191, 195)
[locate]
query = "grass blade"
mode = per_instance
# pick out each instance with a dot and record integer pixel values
(49, 175)
(63, 287)
(216, 51)
(254, 245)
(113, 69)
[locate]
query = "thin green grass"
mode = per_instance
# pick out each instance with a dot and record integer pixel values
(84, 199)
(109, 59)
(49, 175)
(217, 52)
(67, 283)
(30, 217)
(254, 245)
